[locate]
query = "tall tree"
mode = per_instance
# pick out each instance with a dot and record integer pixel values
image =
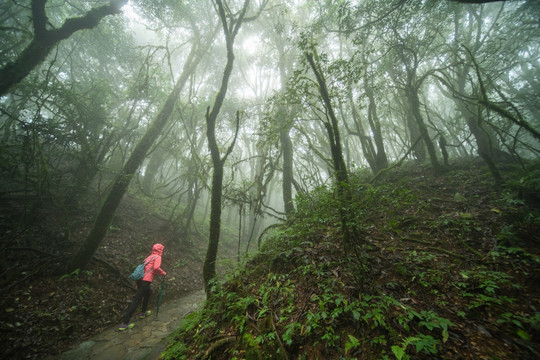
(340, 169)
(120, 185)
(231, 26)
(410, 60)
(284, 119)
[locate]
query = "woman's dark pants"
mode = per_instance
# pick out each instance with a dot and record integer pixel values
(143, 293)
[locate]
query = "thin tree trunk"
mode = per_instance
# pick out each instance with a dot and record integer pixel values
(230, 31)
(209, 266)
(285, 141)
(332, 127)
(365, 141)
(287, 149)
(155, 162)
(381, 160)
(342, 179)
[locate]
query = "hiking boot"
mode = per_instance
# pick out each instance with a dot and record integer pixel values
(145, 314)
(126, 326)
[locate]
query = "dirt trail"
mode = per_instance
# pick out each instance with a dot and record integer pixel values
(144, 341)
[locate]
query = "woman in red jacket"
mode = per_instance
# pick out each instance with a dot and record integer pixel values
(153, 263)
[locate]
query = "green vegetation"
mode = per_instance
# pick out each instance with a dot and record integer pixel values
(445, 277)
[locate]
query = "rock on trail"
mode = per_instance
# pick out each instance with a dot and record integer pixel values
(144, 341)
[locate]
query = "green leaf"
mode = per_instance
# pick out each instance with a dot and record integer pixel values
(353, 343)
(524, 335)
(399, 352)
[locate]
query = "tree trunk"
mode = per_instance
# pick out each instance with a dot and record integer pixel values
(230, 31)
(419, 150)
(121, 183)
(285, 140)
(331, 127)
(365, 141)
(381, 161)
(287, 149)
(193, 199)
(342, 178)
(415, 108)
(484, 145)
(155, 162)
(209, 267)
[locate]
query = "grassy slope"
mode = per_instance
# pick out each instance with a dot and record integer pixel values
(448, 269)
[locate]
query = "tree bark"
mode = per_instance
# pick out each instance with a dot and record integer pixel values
(154, 164)
(365, 141)
(331, 127)
(285, 139)
(484, 144)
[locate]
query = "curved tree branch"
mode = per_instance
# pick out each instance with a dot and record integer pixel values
(484, 101)
(45, 40)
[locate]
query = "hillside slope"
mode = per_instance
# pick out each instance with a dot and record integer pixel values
(448, 267)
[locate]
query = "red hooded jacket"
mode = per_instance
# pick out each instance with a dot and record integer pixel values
(154, 262)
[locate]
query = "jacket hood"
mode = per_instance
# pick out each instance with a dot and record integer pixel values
(158, 249)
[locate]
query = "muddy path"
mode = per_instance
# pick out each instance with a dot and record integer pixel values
(145, 340)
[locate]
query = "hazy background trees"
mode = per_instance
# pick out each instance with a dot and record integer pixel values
(427, 81)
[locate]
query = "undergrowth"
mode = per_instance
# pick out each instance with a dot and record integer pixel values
(448, 275)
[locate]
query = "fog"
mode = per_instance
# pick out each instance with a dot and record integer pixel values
(422, 81)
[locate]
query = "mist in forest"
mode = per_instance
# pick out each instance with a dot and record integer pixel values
(297, 93)
(351, 178)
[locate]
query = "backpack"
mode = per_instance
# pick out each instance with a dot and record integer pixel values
(139, 273)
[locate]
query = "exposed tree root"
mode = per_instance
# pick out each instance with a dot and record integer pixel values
(216, 345)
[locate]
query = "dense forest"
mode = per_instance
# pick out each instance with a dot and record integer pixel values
(345, 179)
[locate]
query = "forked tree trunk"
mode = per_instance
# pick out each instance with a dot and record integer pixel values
(424, 133)
(381, 161)
(365, 141)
